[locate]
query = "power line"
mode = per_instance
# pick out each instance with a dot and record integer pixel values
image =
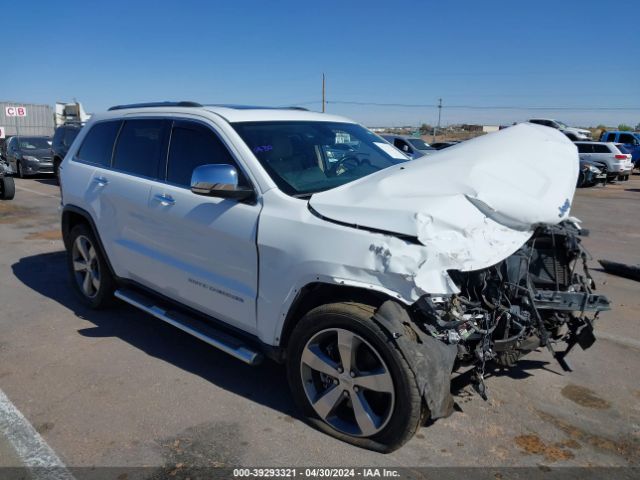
(481, 107)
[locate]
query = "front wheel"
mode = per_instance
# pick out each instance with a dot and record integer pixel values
(350, 380)
(90, 274)
(7, 188)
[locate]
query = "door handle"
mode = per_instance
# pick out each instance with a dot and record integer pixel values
(164, 199)
(101, 181)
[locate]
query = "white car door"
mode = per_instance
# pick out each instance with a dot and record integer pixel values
(204, 247)
(122, 194)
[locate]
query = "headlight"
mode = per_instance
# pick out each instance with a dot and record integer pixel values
(30, 158)
(594, 169)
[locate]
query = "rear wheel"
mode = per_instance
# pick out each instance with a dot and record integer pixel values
(7, 188)
(350, 380)
(90, 274)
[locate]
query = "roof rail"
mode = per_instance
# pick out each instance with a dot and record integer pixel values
(155, 104)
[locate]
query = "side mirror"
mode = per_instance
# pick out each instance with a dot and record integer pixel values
(218, 180)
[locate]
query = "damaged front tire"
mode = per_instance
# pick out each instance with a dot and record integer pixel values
(350, 380)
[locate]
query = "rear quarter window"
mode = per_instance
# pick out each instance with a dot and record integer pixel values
(97, 146)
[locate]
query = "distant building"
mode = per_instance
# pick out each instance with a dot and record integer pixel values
(490, 128)
(25, 119)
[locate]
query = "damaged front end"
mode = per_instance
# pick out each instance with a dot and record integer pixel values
(481, 238)
(542, 295)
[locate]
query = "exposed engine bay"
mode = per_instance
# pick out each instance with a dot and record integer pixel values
(542, 295)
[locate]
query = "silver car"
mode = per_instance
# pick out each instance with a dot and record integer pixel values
(413, 146)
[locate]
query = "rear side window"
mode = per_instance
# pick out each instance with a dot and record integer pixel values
(141, 148)
(601, 149)
(193, 145)
(585, 148)
(97, 146)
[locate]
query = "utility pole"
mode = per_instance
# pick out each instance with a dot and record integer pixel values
(439, 113)
(323, 97)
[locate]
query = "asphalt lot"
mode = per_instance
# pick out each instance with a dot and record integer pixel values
(119, 388)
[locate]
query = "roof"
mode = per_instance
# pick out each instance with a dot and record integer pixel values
(231, 113)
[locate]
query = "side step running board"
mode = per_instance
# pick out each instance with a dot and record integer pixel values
(198, 328)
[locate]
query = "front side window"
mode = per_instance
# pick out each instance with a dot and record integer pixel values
(585, 148)
(193, 145)
(97, 145)
(308, 157)
(402, 145)
(142, 145)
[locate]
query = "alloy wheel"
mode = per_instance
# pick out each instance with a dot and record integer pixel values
(86, 268)
(347, 382)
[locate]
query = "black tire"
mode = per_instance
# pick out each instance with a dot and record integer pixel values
(103, 295)
(7, 188)
(407, 412)
(56, 169)
(19, 170)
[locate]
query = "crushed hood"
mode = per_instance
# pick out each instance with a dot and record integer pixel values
(471, 205)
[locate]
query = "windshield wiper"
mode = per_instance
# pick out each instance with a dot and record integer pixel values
(304, 196)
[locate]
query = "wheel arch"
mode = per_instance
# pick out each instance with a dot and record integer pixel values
(315, 294)
(72, 216)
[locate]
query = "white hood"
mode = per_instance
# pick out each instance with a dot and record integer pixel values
(471, 205)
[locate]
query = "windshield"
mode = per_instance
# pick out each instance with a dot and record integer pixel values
(34, 143)
(419, 144)
(308, 157)
(562, 125)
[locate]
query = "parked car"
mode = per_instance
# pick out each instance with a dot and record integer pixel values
(413, 146)
(630, 140)
(370, 276)
(592, 173)
(29, 155)
(619, 165)
(571, 132)
(441, 145)
(62, 140)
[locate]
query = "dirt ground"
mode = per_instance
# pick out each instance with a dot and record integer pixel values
(119, 388)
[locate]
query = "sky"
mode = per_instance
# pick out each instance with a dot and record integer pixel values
(576, 61)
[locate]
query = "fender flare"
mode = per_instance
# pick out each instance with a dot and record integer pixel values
(66, 228)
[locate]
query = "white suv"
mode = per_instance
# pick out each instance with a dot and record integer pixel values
(618, 164)
(572, 133)
(307, 238)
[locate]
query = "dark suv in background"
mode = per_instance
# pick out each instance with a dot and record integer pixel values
(62, 140)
